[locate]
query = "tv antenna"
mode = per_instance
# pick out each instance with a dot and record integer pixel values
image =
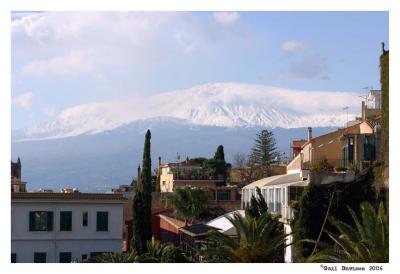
(346, 108)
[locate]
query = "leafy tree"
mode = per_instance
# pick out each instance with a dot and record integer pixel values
(216, 168)
(365, 241)
(264, 151)
(189, 202)
(257, 206)
(313, 205)
(146, 181)
(247, 169)
(257, 241)
(219, 154)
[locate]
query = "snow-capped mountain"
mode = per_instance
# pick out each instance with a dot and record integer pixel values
(216, 104)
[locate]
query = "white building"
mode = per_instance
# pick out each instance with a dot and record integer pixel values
(64, 227)
(278, 191)
(223, 224)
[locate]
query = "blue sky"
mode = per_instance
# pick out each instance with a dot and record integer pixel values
(64, 59)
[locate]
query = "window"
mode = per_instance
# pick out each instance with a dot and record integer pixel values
(94, 254)
(84, 257)
(85, 218)
(40, 221)
(102, 221)
(13, 257)
(369, 148)
(39, 257)
(65, 220)
(65, 257)
(223, 195)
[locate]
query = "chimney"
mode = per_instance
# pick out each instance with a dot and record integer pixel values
(159, 162)
(309, 135)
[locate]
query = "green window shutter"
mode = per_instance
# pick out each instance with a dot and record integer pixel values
(65, 257)
(102, 221)
(49, 220)
(39, 257)
(85, 218)
(65, 220)
(31, 221)
(13, 257)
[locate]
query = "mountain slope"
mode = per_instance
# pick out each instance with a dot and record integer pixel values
(218, 104)
(98, 162)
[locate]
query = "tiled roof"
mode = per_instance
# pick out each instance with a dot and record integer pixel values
(66, 196)
(177, 223)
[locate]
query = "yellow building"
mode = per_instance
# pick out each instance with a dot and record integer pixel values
(173, 175)
(349, 147)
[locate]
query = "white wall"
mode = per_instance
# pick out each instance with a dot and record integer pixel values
(81, 240)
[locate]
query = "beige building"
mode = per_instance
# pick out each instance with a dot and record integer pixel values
(350, 146)
(173, 175)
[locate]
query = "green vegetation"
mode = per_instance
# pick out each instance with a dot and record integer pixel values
(257, 206)
(156, 253)
(189, 203)
(219, 154)
(384, 65)
(321, 166)
(142, 201)
(313, 206)
(368, 242)
(257, 241)
(264, 151)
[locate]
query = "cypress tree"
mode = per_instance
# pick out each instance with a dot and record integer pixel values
(138, 241)
(264, 151)
(145, 179)
(257, 206)
(219, 154)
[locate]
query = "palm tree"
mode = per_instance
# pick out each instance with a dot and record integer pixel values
(257, 240)
(368, 242)
(129, 257)
(156, 253)
(189, 202)
(162, 253)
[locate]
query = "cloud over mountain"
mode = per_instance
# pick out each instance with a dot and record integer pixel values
(216, 104)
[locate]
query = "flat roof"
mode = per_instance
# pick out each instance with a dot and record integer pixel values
(23, 196)
(275, 180)
(197, 230)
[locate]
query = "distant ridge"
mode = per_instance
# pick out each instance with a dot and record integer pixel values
(232, 105)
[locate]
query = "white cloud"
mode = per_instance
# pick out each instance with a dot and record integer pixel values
(74, 63)
(226, 17)
(291, 46)
(23, 101)
(49, 111)
(217, 104)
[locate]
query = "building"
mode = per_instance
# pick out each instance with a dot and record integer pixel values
(173, 175)
(222, 223)
(371, 107)
(295, 147)
(17, 185)
(64, 227)
(350, 147)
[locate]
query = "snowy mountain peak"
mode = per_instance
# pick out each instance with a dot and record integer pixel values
(216, 104)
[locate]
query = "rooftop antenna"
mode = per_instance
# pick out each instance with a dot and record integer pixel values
(346, 108)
